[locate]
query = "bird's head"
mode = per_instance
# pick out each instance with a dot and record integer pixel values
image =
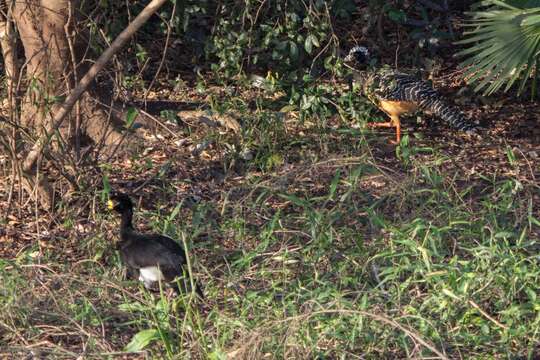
(119, 202)
(358, 55)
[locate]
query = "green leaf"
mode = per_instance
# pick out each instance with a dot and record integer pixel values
(130, 116)
(288, 108)
(175, 212)
(396, 15)
(293, 50)
(334, 184)
(106, 188)
(308, 45)
(450, 293)
(315, 41)
(503, 235)
(131, 307)
(170, 116)
(141, 339)
(311, 40)
(296, 200)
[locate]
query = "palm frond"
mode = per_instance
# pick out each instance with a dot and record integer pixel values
(503, 45)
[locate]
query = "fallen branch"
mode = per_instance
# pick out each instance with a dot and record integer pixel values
(486, 315)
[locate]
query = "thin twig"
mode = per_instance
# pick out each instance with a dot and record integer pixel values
(76, 80)
(487, 316)
(167, 40)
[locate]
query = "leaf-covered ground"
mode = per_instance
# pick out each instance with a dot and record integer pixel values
(312, 240)
(313, 236)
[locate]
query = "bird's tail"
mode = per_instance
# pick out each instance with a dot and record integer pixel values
(448, 113)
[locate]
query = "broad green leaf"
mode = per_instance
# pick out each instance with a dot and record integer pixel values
(311, 40)
(130, 116)
(293, 49)
(131, 307)
(315, 41)
(141, 339)
(308, 45)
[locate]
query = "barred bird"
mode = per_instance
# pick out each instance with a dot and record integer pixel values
(398, 93)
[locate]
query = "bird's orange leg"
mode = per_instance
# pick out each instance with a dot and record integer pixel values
(397, 125)
(394, 122)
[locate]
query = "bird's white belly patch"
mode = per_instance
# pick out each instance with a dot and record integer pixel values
(150, 274)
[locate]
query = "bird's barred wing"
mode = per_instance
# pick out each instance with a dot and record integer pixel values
(404, 87)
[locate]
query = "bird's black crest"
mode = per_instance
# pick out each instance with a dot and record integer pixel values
(359, 54)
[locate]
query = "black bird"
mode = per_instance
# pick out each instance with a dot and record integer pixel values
(152, 257)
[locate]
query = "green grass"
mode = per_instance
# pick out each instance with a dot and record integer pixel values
(321, 248)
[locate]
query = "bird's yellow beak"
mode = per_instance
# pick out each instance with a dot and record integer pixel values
(110, 205)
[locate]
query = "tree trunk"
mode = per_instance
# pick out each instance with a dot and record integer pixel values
(53, 51)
